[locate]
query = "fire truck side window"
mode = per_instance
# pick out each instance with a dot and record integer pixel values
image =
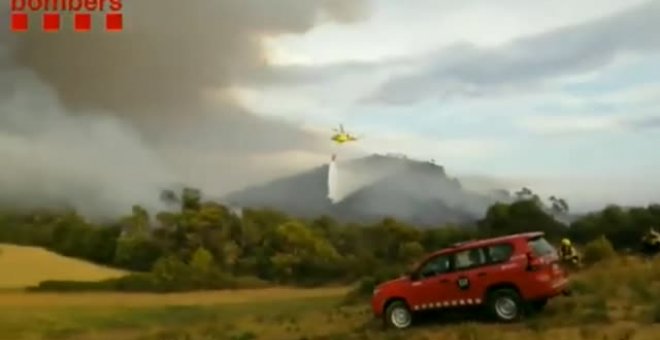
(470, 258)
(438, 265)
(499, 253)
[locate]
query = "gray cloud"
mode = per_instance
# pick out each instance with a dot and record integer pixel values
(465, 70)
(100, 121)
(169, 53)
(96, 163)
(647, 123)
(297, 75)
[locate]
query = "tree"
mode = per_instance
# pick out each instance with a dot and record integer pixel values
(101, 244)
(170, 197)
(202, 261)
(285, 265)
(410, 251)
(437, 238)
(598, 250)
(296, 246)
(191, 199)
(172, 274)
(137, 253)
(137, 224)
(558, 205)
(231, 254)
(624, 227)
(386, 236)
(204, 272)
(325, 225)
(526, 194)
(203, 244)
(520, 216)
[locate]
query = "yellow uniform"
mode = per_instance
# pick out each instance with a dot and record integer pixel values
(567, 252)
(651, 241)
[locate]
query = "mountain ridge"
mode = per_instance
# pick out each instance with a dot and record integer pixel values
(373, 187)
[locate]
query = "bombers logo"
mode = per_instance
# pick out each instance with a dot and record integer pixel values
(52, 10)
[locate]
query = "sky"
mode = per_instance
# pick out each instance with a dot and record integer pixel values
(560, 96)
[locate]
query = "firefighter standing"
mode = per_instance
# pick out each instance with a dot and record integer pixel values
(568, 254)
(651, 242)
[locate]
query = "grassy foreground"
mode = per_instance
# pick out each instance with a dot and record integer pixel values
(617, 300)
(27, 266)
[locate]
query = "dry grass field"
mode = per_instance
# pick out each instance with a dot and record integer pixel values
(244, 296)
(27, 266)
(617, 300)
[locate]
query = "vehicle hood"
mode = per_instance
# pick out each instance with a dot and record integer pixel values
(402, 280)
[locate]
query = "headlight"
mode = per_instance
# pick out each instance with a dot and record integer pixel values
(375, 291)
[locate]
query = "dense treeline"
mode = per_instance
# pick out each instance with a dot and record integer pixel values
(205, 245)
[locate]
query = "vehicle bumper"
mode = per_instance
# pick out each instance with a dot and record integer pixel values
(551, 288)
(560, 282)
(377, 307)
(561, 286)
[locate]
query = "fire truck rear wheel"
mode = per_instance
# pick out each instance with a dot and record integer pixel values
(505, 305)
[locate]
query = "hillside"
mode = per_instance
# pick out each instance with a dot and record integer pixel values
(27, 266)
(372, 188)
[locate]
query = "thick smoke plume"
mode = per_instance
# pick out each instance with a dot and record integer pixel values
(100, 121)
(94, 163)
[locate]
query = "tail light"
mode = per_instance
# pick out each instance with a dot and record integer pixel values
(533, 263)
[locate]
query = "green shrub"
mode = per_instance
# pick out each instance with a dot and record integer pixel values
(249, 282)
(73, 286)
(655, 313)
(596, 312)
(582, 287)
(598, 250)
(562, 307)
(366, 286)
(641, 288)
(135, 283)
(654, 271)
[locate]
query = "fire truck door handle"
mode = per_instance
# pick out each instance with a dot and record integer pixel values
(444, 281)
(481, 274)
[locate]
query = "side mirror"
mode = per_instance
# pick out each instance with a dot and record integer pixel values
(413, 275)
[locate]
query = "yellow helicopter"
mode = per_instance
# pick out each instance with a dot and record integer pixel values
(342, 136)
